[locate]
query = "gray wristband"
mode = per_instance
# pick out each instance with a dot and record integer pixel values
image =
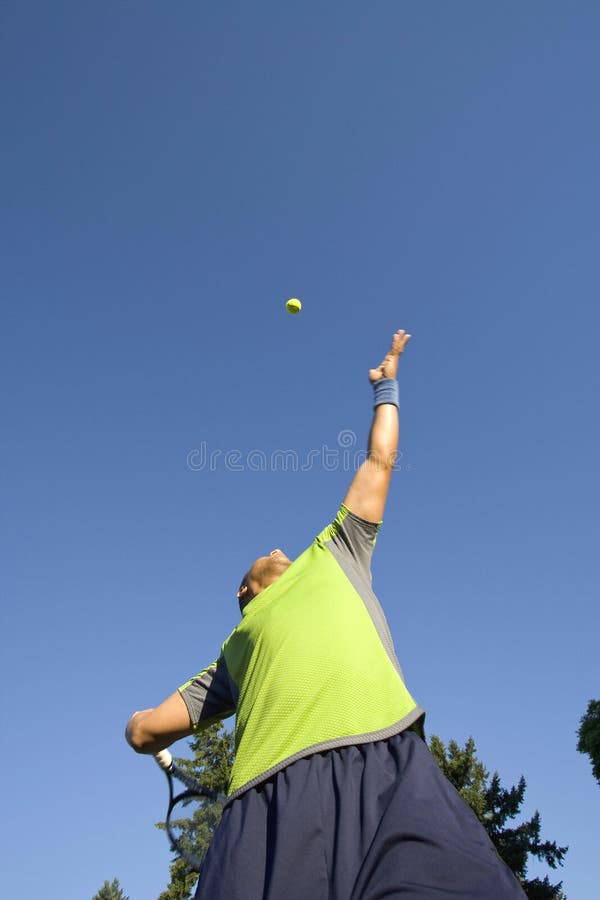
(386, 391)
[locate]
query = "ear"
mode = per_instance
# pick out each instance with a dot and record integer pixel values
(242, 591)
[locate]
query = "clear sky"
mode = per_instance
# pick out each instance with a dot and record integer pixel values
(171, 174)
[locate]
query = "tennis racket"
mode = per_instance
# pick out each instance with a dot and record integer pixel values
(187, 803)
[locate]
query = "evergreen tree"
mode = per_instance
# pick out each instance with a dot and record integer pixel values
(494, 806)
(110, 891)
(589, 736)
(210, 763)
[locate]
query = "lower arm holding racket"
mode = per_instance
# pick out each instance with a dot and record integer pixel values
(151, 730)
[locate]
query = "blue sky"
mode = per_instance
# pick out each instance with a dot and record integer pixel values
(172, 173)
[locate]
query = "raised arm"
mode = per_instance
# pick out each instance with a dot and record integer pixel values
(368, 491)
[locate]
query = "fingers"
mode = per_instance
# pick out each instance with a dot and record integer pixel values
(388, 367)
(399, 342)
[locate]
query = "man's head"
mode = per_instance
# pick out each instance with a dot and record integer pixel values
(263, 572)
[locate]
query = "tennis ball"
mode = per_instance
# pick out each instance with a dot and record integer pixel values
(293, 306)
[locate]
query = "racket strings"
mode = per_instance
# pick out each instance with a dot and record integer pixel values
(196, 787)
(182, 828)
(181, 823)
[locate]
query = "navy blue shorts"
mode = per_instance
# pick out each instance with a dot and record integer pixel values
(359, 823)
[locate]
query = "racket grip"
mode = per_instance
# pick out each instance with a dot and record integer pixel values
(164, 759)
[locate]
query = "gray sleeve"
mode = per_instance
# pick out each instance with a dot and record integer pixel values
(211, 695)
(353, 538)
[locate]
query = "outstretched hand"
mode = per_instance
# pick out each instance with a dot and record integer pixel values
(389, 366)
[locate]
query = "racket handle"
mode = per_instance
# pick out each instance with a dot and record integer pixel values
(164, 759)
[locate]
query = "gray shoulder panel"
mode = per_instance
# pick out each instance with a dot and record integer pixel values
(210, 695)
(354, 537)
(360, 579)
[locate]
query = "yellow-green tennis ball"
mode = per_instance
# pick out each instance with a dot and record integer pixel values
(293, 306)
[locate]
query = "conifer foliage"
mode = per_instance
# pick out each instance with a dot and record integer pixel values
(495, 807)
(110, 891)
(589, 736)
(210, 762)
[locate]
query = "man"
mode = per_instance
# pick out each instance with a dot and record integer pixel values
(333, 793)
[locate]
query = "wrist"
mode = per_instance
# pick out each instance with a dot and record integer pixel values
(386, 391)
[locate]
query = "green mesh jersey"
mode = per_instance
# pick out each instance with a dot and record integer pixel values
(311, 666)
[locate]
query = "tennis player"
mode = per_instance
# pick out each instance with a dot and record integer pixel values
(334, 794)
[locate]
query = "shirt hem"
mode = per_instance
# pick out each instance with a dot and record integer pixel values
(414, 717)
